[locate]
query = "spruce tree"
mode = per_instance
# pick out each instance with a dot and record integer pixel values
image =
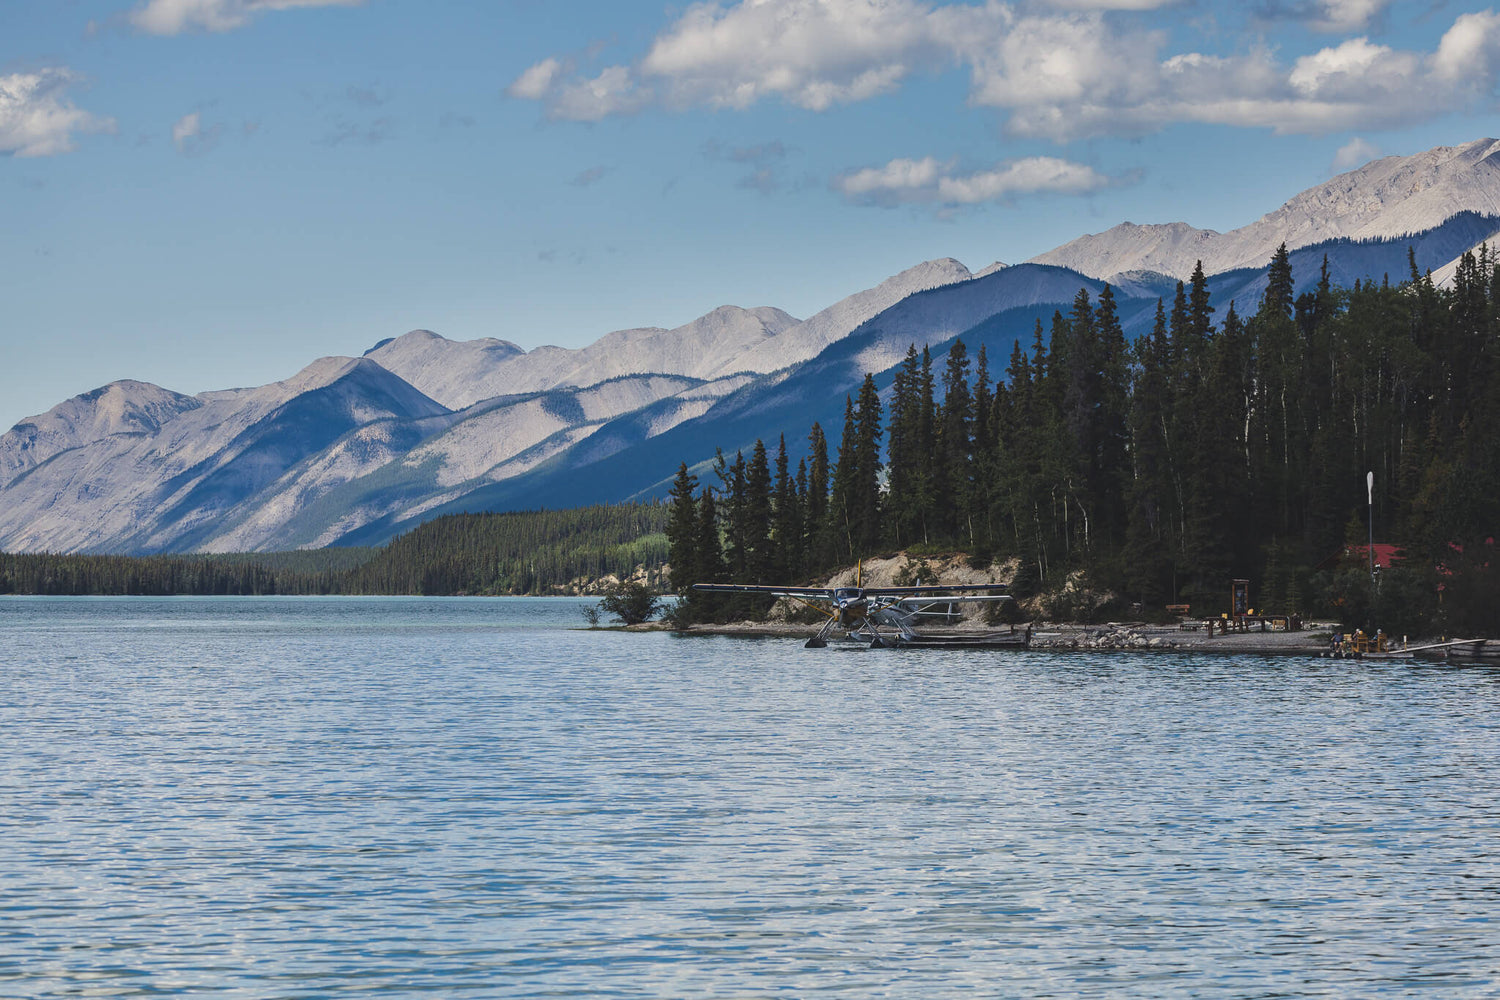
(820, 532)
(786, 528)
(760, 556)
(867, 467)
(907, 494)
(952, 488)
(704, 606)
(682, 531)
(843, 503)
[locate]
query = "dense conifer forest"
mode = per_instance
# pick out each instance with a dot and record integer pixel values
(533, 552)
(1223, 444)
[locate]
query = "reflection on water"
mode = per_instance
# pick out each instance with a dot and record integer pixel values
(293, 798)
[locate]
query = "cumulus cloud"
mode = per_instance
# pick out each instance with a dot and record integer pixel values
(536, 83)
(1114, 4)
(1051, 72)
(172, 17)
(1354, 153)
(811, 53)
(1348, 15)
(930, 182)
(36, 117)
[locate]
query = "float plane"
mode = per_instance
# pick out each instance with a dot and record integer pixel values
(862, 612)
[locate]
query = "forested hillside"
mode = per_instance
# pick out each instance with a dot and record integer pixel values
(532, 552)
(1223, 444)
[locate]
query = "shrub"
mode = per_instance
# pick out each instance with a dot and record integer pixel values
(631, 603)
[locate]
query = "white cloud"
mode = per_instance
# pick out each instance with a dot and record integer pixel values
(1059, 61)
(1356, 84)
(1058, 75)
(191, 137)
(172, 17)
(37, 119)
(535, 83)
(1116, 4)
(1468, 50)
(811, 53)
(1347, 15)
(899, 180)
(613, 92)
(186, 128)
(1354, 153)
(1351, 68)
(928, 181)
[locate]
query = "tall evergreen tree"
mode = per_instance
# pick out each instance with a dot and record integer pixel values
(820, 531)
(867, 468)
(682, 531)
(844, 498)
(908, 494)
(760, 555)
(786, 530)
(952, 492)
(702, 605)
(1147, 546)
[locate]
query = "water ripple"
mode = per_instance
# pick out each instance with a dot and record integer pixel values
(309, 798)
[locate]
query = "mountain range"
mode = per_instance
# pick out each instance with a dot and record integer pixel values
(356, 450)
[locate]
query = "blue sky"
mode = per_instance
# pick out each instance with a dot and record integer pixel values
(208, 193)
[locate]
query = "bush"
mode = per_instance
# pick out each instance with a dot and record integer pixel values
(631, 603)
(678, 615)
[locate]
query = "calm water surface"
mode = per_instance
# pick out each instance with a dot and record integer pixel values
(308, 798)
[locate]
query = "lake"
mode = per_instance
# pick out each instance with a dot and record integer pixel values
(468, 797)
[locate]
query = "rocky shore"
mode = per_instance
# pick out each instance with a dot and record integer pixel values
(1116, 636)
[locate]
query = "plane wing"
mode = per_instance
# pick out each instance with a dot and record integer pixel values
(807, 593)
(953, 599)
(933, 589)
(958, 592)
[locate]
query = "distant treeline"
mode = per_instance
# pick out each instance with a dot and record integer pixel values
(1205, 451)
(532, 552)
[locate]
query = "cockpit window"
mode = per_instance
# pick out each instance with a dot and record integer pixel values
(846, 593)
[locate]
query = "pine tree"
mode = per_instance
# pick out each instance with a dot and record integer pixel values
(733, 513)
(682, 528)
(1111, 473)
(704, 606)
(908, 495)
(820, 530)
(952, 487)
(867, 467)
(1147, 546)
(843, 503)
(985, 456)
(786, 528)
(760, 556)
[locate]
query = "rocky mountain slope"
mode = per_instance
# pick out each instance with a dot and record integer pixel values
(1384, 200)
(419, 421)
(356, 449)
(461, 373)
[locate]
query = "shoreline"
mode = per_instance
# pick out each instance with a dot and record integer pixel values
(1063, 637)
